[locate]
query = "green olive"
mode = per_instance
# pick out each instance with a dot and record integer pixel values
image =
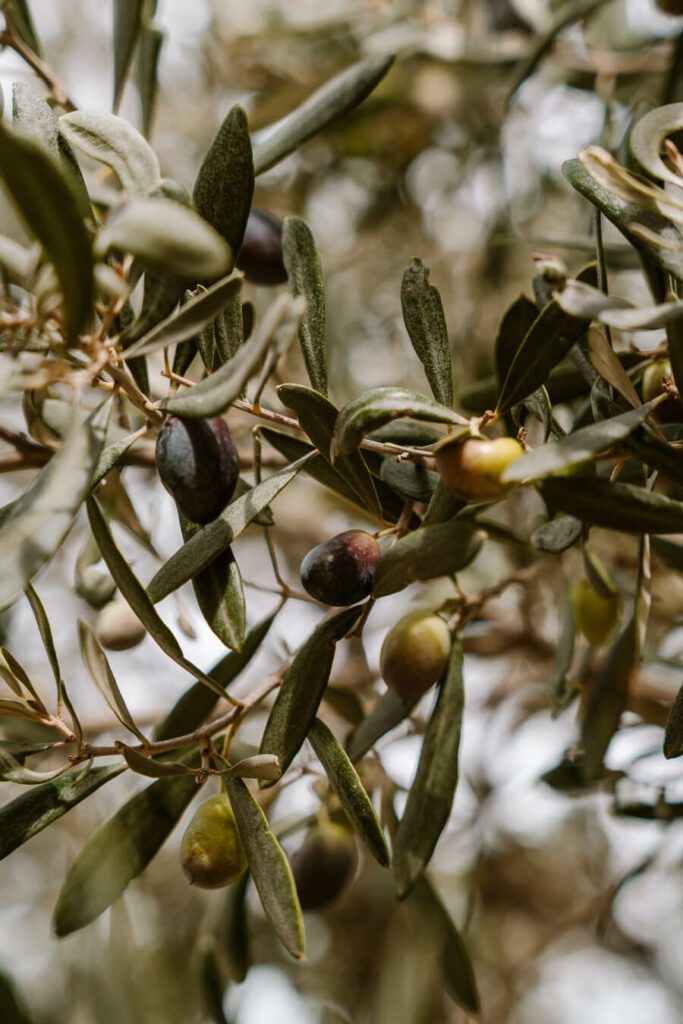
(211, 850)
(324, 865)
(414, 654)
(118, 628)
(472, 468)
(596, 614)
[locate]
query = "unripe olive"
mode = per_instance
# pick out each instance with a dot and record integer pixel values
(341, 570)
(211, 850)
(415, 653)
(324, 865)
(118, 628)
(198, 465)
(652, 385)
(472, 468)
(596, 614)
(261, 254)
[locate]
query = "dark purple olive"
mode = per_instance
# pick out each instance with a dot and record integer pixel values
(261, 254)
(198, 465)
(341, 570)
(324, 865)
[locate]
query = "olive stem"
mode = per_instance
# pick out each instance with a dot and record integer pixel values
(10, 38)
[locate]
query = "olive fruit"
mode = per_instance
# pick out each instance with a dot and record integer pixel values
(324, 865)
(596, 614)
(652, 385)
(414, 654)
(340, 571)
(472, 468)
(198, 465)
(261, 254)
(118, 628)
(211, 850)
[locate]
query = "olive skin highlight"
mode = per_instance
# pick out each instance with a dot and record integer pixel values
(472, 468)
(198, 465)
(341, 570)
(324, 865)
(415, 653)
(211, 851)
(260, 257)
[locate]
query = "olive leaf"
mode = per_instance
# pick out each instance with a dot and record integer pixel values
(443, 506)
(410, 479)
(147, 766)
(305, 273)
(196, 704)
(137, 597)
(425, 322)
(577, 448)
(606, 700)
(220, 594)
(119, 851)
(215, 393)
(28, 814)
(389, 711)
(454, 959)
(100, 672)
(550, 338)
(296, 705)
(33, 115)
(269, 868)
(557, 535)
(622, 507)
(605, 360)
(113, 141)
(317, 415)
(167, 237)
(431, 795)
(185, 322)
(647, 136)
(146, 72)
(345, 781)
(48, 203)
(127, 26)
(334, 99)
(580, 300)
(232, 939)
(673, 733)
(425, 554)
(372, 409)
(224, 186)
(41, 518)
(45, 631)
(215, 538)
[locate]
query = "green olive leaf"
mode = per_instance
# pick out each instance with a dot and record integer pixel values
(443, 506)
(168, 238)
(189, 319)
(47, 202)
(606, 700)
(269, 868)
(426, 554)
(119, 851)
(605, 360)
(34, 116)
(317, 415)
(514, 325)
(23, 23)
(216, 392)
(557, 535)
(225, 182)
(425, 322)
(146, 72)
(296, 705)
(673, 733)
(372, 409)
(113, 141)
(335, 98)
(41, 518)
(648, 135)
(615, 506)
(431, 795)
(195, 705)
(454, 959)
(100, 672)
(305, 272)
(215, 538)
(231, 934)
(141, 764)
(220, 594)
(345, 781)
(550, 338)
(28, 814)
(389, 711)
(127, 26)
(577, 448)
(410, 479)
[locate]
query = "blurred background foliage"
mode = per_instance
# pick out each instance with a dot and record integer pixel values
(571, 909)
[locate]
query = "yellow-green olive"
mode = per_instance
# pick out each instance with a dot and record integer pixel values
(471, 468)
(211, 850)
(414, 654)
(595, 614)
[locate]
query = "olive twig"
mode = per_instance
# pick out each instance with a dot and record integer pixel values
(11, 38)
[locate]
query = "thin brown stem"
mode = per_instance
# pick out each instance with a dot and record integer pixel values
(10, 38)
